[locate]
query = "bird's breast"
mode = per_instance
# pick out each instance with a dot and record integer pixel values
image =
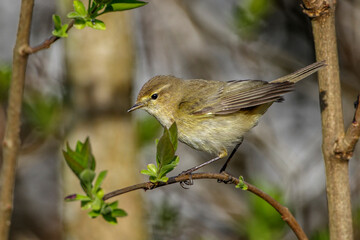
(214, 134)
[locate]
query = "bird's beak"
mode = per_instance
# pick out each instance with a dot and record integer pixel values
(136, 106)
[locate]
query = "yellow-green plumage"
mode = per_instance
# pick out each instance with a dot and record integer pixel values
(212, 116)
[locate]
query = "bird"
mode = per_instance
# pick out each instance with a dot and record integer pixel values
(212, 116)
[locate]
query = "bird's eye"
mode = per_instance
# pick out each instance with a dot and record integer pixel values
(154, 96)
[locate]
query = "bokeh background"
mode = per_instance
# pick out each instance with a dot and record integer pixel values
(83, 85)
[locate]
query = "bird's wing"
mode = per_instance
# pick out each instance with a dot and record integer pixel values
(236, 95)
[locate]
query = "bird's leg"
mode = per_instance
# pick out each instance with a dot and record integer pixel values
(221, 155)
(193, 169)
(231, 155)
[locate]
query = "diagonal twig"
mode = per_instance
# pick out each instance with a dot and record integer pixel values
(225, 177)
(344, 147)
(45, 44)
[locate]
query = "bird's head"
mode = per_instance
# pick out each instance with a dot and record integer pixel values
(160, 97)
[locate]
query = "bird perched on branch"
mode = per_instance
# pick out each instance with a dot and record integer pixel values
(212, 116)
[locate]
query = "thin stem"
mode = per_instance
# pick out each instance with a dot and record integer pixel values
(284, 211)
(47, 43)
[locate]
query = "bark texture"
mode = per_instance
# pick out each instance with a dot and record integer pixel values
(11, 141)
(336, 164)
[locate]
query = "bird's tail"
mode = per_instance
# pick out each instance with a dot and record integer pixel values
(301, 73)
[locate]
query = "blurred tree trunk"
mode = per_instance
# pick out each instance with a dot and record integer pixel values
(100, 70)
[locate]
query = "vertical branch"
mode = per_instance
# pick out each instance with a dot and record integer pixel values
(337, 177)
(11, 139)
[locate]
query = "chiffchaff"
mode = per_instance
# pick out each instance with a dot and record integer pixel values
(212, 116)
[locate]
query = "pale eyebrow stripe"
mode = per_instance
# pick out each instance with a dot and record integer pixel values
(163, 87)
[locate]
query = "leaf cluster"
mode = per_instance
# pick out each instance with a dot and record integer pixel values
(242, 185)
(60, 30)
(166, 160)
(88, 17)
(82, 162)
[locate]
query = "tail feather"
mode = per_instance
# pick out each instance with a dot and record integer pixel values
(301, 73)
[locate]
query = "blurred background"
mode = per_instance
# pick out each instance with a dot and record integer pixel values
(83, 85)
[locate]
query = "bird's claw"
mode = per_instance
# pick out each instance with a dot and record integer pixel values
(187, 182)
(229, 180)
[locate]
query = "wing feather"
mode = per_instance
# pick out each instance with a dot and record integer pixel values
(237, 95)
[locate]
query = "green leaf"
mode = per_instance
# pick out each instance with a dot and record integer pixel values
(96, 24)
(79, 7)
(122, 5)
(86, 204)
(106, 210)
(87, 176)
(97, 204)
(110, 219)
(81, 158)
(168, 168)
(61, 32)
(74, 15)
(153, 179)
(72, 162)
(165, 156)
(173, 135)
(165, 149)
(57, 21)
(64, 29)
(99, 180)
(241, 184)
(100, 193)
(94, 213)
(163, 179)
(79, 23)
(151, 170)
(118, 213)
(113, 205)
(146, 172)
(86, 152)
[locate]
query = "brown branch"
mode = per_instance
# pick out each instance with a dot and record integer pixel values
(12, 139)
(315, 8)
(284, 211)
(346, 145)
(45, 44)
(337, 170)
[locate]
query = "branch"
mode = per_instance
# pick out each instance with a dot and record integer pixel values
(12, 139)
(337, 170)
(45, 44)
(315, 8)
(284, 211)
(346, 145)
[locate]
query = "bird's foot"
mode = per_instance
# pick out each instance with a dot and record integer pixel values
(229, 180)
(187, 182)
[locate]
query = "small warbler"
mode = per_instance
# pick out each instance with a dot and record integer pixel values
(212, 116)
